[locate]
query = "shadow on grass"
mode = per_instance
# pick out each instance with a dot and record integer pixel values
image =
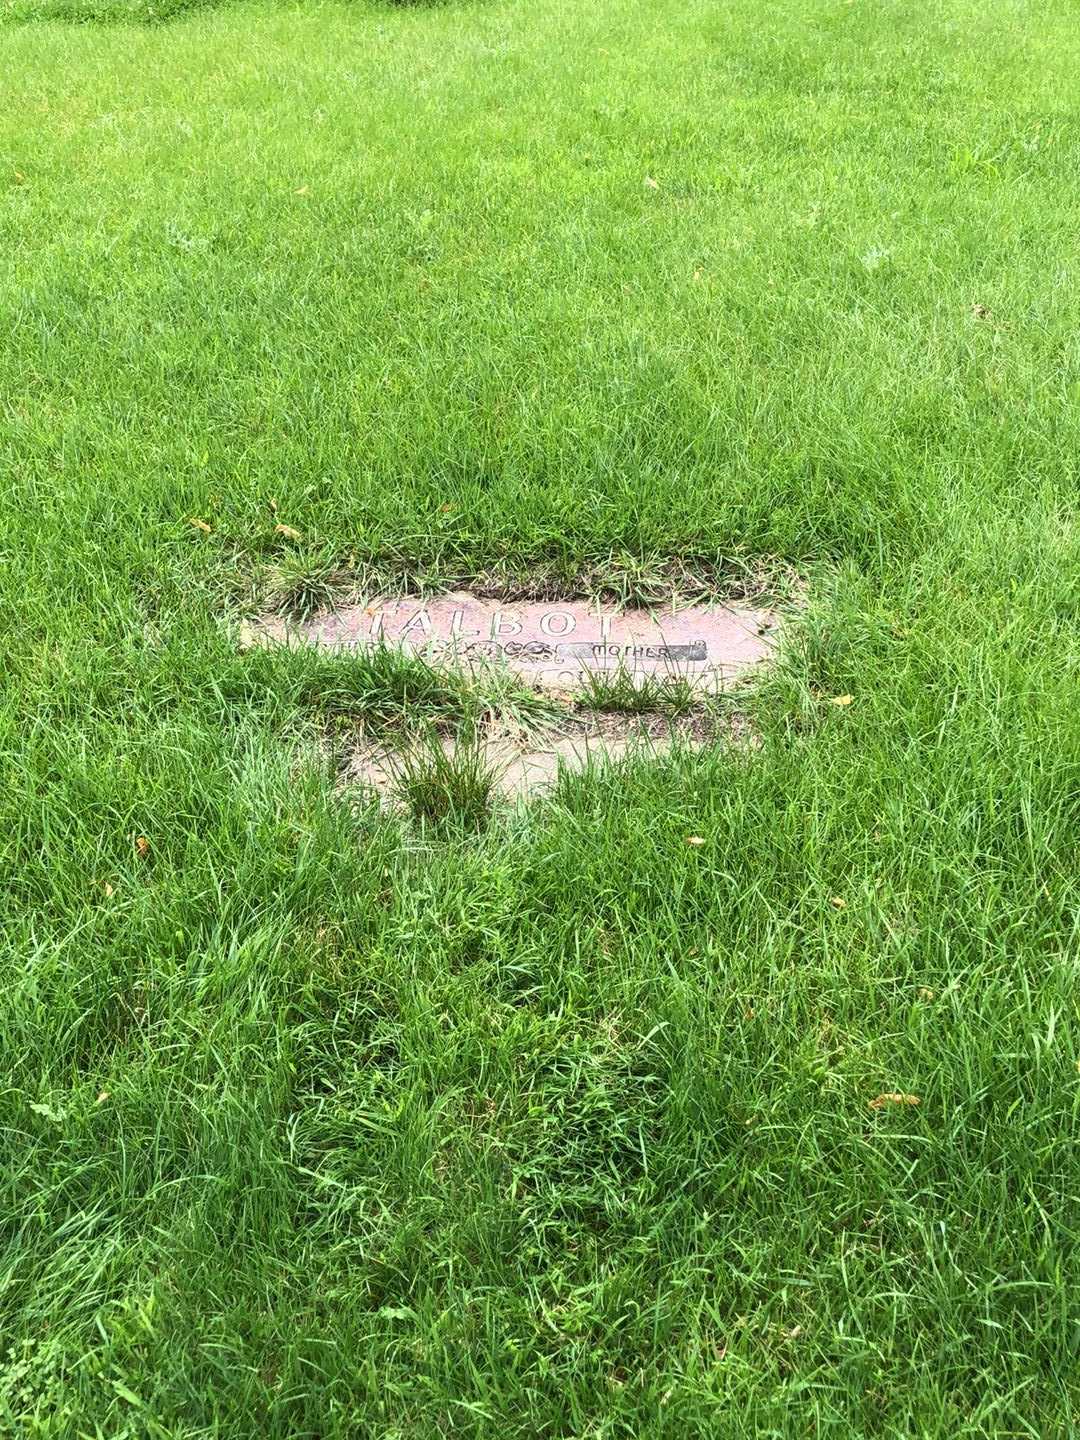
(105, 12)
(143, 12)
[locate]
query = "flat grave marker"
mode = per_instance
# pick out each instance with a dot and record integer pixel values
(556, 645)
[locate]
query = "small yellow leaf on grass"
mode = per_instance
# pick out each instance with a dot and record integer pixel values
(304, 190)
(694, 840)
(103, 1097)
(841, 700)
(838, 903)
(142, 846)
(108, 890)
(893, 1097)
(20, 178)
(273, 505)
(198, 524)
(651, 184)
(287, 531)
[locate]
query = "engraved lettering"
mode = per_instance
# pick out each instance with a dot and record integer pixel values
(554, 642)
(421, 619)
(456, 631)
(504, 625)
(547, 623)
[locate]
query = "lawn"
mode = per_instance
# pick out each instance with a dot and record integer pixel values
(320, 1123)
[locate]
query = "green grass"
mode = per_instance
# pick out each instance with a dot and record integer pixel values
(449, 788)
(316, 1124)
(621, 692)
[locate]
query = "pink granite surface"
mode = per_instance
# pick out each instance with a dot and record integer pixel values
(552, 643)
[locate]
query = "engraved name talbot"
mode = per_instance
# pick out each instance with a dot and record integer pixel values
(555, 645)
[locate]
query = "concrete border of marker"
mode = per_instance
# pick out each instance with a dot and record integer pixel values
(527, 761)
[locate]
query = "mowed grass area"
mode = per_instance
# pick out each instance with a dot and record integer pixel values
(318, 1124)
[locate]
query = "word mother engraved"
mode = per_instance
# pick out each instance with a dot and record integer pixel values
(556, 645)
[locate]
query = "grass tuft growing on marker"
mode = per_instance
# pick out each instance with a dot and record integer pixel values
(449, 787)
(581, 1122)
